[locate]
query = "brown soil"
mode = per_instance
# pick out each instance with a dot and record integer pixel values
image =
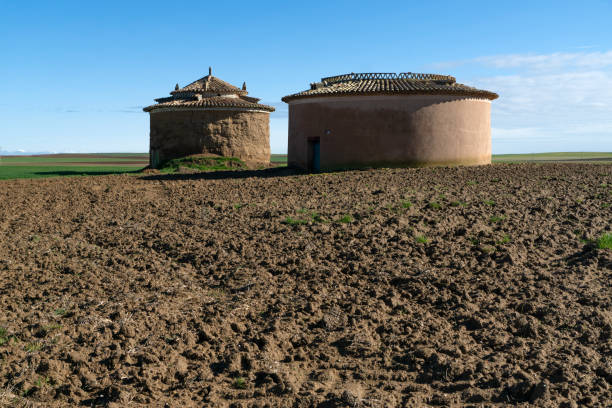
(195, 290)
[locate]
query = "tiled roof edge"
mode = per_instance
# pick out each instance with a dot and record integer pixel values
(202, 105)
(458, 92)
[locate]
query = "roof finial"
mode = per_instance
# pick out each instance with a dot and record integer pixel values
(244, 86)
(176, 87)
(209, 71)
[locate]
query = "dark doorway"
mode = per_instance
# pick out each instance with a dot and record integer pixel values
(314, 155)
(154, 158)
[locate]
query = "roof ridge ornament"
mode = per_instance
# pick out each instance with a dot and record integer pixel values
(388, 75)
(209, 92)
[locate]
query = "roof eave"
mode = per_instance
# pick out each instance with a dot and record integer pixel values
(477, 94)
(259, 108)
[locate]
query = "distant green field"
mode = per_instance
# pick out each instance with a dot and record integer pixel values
(57, 165)
(278, 158)
(13, 167)
(15, 172)
(591, 157)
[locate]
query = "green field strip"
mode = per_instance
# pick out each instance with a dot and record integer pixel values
(17, 172)
(278, 158)
(143, 155)
(554, 157)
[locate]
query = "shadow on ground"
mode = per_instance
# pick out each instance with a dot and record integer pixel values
(229, 174)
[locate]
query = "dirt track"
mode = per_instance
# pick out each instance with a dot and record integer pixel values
(465, 286)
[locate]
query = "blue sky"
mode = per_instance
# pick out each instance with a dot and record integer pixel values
(75, 75)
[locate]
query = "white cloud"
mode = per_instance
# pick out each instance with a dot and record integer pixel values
(565, 97)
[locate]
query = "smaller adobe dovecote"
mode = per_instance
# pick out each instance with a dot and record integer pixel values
(209, 116)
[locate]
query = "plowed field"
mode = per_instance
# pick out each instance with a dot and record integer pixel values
(388, 288)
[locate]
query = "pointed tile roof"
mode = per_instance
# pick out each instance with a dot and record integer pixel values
(209, 92)
(210, 84)
(390, 84)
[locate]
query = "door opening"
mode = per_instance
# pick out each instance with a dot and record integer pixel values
(314, 155)
(154, 158)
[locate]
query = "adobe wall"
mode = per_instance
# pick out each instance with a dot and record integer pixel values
(242, 134)
(390, 130)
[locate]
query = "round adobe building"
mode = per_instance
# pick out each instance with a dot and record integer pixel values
(209, 117)
(388, 120)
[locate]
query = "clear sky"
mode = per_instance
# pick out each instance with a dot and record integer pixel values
(74, 76)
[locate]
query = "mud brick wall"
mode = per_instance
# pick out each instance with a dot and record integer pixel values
(390, 131)
(242, 134)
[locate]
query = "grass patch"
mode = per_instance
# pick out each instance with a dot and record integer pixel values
(32, 347)
(346, 219)
(489, 202)
(421, 239)
(316, 217)
(203, 163)
(51, 327)
(42, 381)
(3, 336)
(458, 204)
(240, 383)
(605, 242)
(505, 239)
(495, 219)
(406, 204)
(293, 221)
(434, 205)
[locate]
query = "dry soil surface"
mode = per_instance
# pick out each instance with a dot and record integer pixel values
(388, 288)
